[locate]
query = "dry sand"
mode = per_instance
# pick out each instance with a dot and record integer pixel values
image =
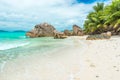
(84, 60)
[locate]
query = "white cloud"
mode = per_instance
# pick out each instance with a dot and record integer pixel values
(23, 14)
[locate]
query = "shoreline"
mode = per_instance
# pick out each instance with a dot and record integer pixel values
(92, 59)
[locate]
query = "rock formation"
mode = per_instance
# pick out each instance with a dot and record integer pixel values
(41, 30)
(47, 30)
(77, 31)
(107, 34)
(31, 34)
(59, 35)
(67, 33)
(99, 36)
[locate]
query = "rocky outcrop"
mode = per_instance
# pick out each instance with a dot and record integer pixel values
(41, 30)
(77, 31)
(47, 30)
(67, 33)
(99, 36)
(107, 34)
(30, 34)
(59, 35)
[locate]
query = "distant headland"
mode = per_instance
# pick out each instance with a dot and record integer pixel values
(3, 31)
(12, 31)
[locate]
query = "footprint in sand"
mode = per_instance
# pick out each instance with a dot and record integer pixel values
(76, 78)
(116, 68)
(91, 64)
(97, 76)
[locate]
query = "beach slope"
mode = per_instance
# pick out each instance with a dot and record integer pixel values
(82, 60)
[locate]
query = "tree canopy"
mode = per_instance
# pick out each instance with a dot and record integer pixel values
(103, 18)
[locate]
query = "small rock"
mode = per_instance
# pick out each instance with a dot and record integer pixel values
(59, 35)
(99, 36)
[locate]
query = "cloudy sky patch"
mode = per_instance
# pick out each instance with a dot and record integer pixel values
(24, 14)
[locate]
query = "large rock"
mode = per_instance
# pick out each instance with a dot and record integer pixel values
(99, 36)
(77, 31)
(67, 33)
(42, 30)
(59, 35)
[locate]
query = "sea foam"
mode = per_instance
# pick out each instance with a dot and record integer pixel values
(5, 46)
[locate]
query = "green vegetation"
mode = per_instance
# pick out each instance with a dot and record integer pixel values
(103, 18)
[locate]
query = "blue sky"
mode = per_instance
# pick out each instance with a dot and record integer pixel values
(24, 14)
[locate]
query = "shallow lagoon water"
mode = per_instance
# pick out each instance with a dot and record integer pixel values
(14, 44)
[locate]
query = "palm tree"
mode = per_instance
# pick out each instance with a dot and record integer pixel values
(104, 18)
(113, 18)
(98, 7)
(94, 21)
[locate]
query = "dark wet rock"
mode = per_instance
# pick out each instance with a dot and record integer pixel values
(77, 31)
(99, 36)
(42, 30)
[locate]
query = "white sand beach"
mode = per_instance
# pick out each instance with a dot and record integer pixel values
(84, 60)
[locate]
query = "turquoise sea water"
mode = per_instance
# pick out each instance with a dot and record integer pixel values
(14, 44)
